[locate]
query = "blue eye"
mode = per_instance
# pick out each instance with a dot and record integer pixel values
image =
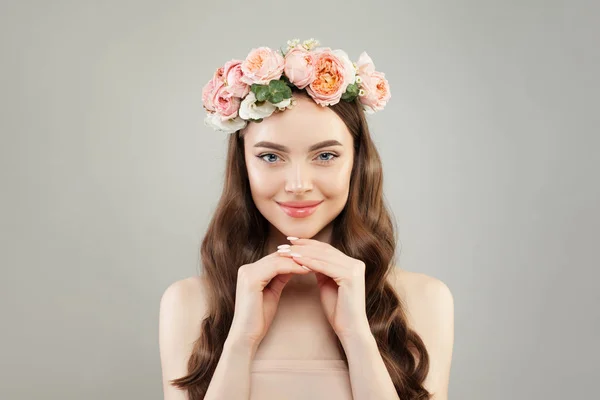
(269, 158)
(322, 158)
(329, 157)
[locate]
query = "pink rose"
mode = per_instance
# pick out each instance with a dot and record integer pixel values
(208, 93)
(219, 74)
(364, 65)
(226, 105)
(232, 72)
(210, 89)
(261, 66)
(334, 72)
(377, 92)
(300, 67)
(374, 84)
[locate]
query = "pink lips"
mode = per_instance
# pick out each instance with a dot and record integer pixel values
(299, 209)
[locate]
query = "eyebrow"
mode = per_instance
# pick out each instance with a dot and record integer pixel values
(316, 146)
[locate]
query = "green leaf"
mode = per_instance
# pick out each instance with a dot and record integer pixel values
(353, 88)
(279, 91)
(348, 97)
(287, 81)
(261, 91)
(277, 85)
(287, 93)
(276, 97)
(351, 92)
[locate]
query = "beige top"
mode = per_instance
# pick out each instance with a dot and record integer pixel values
(298, 358)
(300, 380)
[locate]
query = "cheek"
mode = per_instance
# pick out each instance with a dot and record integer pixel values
(333, 188)
(336, 183)
(262, 182)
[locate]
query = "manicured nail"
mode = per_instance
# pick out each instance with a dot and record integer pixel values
(283, 246)
(284, 250)
(306, 268)
(292, 238)
(295, 255)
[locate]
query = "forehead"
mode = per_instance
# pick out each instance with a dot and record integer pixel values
(299, 127)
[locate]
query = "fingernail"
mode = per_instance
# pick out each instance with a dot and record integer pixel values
(284, 250)
(283, 246)
(295, 255)
(292, 238)
(306, 268)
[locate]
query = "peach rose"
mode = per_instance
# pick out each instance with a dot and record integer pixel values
(376, 89)
(334, 72)
(226, 105)
(261, 66)
(232, 73)
(376, 92)
(299, 67)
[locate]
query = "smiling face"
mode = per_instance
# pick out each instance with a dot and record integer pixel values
(299, 163)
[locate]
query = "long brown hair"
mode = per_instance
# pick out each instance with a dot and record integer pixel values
(363, 230)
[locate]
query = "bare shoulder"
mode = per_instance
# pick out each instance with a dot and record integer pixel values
(182, 308)
(192, 288)
(429, 305)
(421, 292)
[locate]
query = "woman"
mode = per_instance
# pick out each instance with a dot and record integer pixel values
(299, 297)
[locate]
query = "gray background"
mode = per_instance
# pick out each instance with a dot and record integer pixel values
(489, 143)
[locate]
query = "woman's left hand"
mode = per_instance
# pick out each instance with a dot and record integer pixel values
(341, 281)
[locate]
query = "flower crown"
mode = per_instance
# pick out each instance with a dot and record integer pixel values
(260, 85)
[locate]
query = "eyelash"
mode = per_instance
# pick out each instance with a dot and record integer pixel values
(323, 162)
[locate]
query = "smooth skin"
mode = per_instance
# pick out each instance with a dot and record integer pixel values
(305, 153)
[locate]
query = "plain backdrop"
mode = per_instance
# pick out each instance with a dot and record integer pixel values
(109, 177)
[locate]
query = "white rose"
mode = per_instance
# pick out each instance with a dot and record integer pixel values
(283, 104)
(215, 121)
(250, 110)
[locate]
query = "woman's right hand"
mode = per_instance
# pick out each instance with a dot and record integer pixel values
(259, 287)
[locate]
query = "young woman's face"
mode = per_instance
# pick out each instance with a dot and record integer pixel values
(299, 163)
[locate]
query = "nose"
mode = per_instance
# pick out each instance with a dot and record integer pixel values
(298, 179)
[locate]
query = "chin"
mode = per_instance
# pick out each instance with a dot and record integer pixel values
(303, 233)
(304, 230)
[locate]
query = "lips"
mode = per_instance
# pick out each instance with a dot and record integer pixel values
(299, 209)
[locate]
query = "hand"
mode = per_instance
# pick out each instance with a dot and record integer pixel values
(259, 287)
(341, 281)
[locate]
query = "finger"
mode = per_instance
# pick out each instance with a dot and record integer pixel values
(291, 256)
(265, 272)
(285, 266)
(270, 255)
(331, 270)
(284, 251)
(330, 255)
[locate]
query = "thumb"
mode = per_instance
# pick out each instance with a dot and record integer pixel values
(278, 283)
